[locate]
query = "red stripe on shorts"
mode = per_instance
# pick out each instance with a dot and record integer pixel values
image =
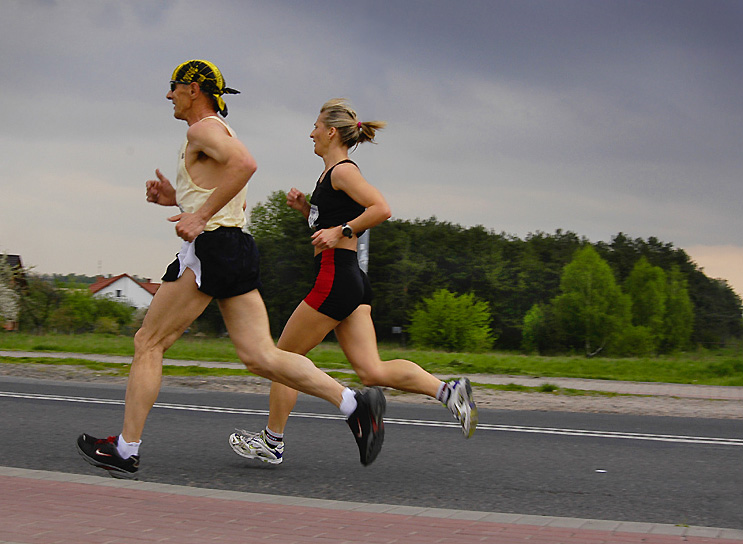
(324, 280)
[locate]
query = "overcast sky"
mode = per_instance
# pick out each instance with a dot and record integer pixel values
(592, 116)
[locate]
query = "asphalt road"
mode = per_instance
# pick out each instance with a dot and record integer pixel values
(626, 468)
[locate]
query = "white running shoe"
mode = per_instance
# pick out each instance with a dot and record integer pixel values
(254, 446)
(462, 406)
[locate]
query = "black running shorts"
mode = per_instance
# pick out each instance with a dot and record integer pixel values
(340, 286)
(229, 263)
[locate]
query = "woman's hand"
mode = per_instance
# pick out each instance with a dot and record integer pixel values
(295, 199)
(327, 238)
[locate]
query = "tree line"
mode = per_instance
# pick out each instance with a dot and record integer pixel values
(549, 293)
(409, 261)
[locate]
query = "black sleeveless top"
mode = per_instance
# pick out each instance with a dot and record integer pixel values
(330, 207)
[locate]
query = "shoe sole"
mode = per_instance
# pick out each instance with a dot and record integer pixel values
(114, 472)
(377, 406)
(469, 429)
(242, 454)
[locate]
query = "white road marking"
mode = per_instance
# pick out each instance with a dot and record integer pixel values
(392, 421)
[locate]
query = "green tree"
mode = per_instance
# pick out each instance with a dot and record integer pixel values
(112, 315)
(592, 310)
(453, 323)
(679, 319)
(533, 330)
(39, 300)
(284, 243)
(395, 271)
(646, 287)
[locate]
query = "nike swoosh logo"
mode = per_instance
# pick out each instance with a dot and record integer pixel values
(99, 452)
(360, 433)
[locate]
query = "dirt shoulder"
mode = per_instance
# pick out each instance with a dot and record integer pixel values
(637, 404)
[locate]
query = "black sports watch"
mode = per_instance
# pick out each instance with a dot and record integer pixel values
(346, 230)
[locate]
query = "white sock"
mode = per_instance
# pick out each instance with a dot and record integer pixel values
(272, 438)
(127, 449)
(348, 404)
(443, 393)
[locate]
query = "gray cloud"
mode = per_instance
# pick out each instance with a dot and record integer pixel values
(520, 115)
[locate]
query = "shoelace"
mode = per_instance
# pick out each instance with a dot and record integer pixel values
(245, 436)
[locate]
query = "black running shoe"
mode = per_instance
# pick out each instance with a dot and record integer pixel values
(101, 452)
(367, 424)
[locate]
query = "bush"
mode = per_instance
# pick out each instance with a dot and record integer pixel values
(106, 325)
(452, 323)
(533, 329)
(633, 341)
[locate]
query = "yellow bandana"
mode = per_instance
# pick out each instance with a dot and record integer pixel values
(209, 78)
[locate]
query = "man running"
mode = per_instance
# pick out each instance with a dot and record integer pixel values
(217, 260)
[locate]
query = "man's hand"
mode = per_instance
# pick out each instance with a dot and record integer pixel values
(160, 191)
(188, 225)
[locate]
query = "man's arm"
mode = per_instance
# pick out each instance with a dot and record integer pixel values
(228, 165)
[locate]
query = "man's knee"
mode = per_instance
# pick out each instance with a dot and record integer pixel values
(146, 340)
(370, 376)
(259, 361)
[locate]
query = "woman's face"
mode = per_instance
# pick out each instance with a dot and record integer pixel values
(321, 135)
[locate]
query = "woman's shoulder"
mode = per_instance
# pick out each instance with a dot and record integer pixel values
(344, 168)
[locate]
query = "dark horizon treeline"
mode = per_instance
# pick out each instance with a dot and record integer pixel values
(410, 260)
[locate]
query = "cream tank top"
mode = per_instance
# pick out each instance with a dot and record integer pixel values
(190, 197)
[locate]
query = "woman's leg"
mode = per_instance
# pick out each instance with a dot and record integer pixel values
(358, 340)
(305, 329)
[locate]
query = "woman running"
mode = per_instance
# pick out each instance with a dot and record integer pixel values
(343, 206)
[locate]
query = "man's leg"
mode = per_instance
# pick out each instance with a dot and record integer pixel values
(175, 306)
(247, 322)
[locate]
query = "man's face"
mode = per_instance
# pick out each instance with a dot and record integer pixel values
(180, 95)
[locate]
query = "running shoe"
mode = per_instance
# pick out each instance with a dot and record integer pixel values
(255, 446)
(102, 453)
(462, 406)
(366, 423)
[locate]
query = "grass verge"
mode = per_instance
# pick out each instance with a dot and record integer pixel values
(707, 367)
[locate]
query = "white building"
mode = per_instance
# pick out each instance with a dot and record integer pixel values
(126, 289)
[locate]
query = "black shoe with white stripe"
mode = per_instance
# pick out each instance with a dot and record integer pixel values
(367, 424)
(102, 453)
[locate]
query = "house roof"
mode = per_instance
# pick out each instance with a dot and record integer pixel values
(149, 286)
(102, 283)
(14, 261)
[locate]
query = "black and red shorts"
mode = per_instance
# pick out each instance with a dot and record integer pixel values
(340, 285)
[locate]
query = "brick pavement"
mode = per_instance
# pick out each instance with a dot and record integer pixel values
(56, 508)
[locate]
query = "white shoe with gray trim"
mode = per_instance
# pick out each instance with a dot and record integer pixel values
(254, 446)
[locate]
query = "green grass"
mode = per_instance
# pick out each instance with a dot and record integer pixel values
(721, 367)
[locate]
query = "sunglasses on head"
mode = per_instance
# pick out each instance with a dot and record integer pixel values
(174, 82)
